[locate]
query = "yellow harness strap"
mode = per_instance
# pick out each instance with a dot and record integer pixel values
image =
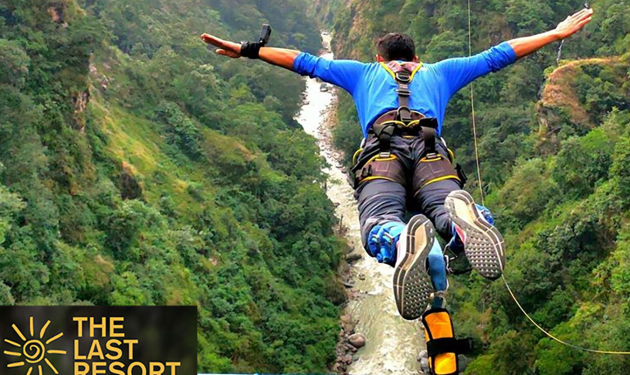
(391, 72)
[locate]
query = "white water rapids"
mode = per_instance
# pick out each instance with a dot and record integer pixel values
(393, 344)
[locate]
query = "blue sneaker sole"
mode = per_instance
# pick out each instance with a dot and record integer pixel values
(483, 244)
(412, 282)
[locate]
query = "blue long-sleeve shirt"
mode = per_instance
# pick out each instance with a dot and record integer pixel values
(374, 89)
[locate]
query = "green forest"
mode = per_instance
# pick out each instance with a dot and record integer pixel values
(554, 143)
(137, 167)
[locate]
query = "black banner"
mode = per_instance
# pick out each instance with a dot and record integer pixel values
(93, 340)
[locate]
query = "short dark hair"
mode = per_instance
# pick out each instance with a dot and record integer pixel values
(396, 46)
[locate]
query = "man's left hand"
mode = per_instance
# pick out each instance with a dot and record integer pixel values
(574, 23)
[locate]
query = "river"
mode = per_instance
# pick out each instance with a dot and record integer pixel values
(393, 344)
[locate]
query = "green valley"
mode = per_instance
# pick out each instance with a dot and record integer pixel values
(553, 142)
(139, 168)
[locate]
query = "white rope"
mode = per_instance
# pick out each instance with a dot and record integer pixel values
(472, 105)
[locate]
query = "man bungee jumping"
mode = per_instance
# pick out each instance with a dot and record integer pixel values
(403, 160)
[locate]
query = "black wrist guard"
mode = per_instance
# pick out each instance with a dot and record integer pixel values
(251, 50)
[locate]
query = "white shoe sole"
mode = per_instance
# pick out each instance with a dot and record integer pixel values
(412, 282)
(483, 244)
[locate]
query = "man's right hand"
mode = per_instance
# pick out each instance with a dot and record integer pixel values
(225, 48)
(277, 56)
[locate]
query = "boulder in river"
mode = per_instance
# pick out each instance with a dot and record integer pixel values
(353, 257)
(357, 340)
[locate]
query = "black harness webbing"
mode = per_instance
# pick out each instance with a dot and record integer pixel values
(407, 123)
(403, 79)
(449, 345)
(429, 133)
(384, 133)
(384, 130)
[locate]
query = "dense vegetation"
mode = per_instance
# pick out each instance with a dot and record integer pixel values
(137, 167)
(554, 146)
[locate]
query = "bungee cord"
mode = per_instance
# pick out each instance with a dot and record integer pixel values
(554, 338)
(472, 104)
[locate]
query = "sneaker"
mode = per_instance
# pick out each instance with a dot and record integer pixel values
(412, 282)
(483, 244)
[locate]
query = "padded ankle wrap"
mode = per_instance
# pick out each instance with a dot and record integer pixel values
(382, 241)
(442, 346)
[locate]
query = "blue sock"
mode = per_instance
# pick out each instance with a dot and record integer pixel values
(486, 213)
(437, 268)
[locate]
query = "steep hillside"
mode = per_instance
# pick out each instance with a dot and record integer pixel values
(554, 153)
(560, 97)
(140, 168)
(325, 10)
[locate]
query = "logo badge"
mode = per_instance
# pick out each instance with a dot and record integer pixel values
(33, 351)
(97, 340)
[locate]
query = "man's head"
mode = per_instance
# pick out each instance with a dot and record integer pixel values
(396, 46)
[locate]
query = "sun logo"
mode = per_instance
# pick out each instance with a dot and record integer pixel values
(33, 351)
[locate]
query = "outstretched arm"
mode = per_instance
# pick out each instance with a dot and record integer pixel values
(528, 45)
(276, 56)
(343, 73)
(457, 73)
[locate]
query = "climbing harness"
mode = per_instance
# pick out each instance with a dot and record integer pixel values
(380, 166)
(433, 166)
(402, 121)
(512, 295)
